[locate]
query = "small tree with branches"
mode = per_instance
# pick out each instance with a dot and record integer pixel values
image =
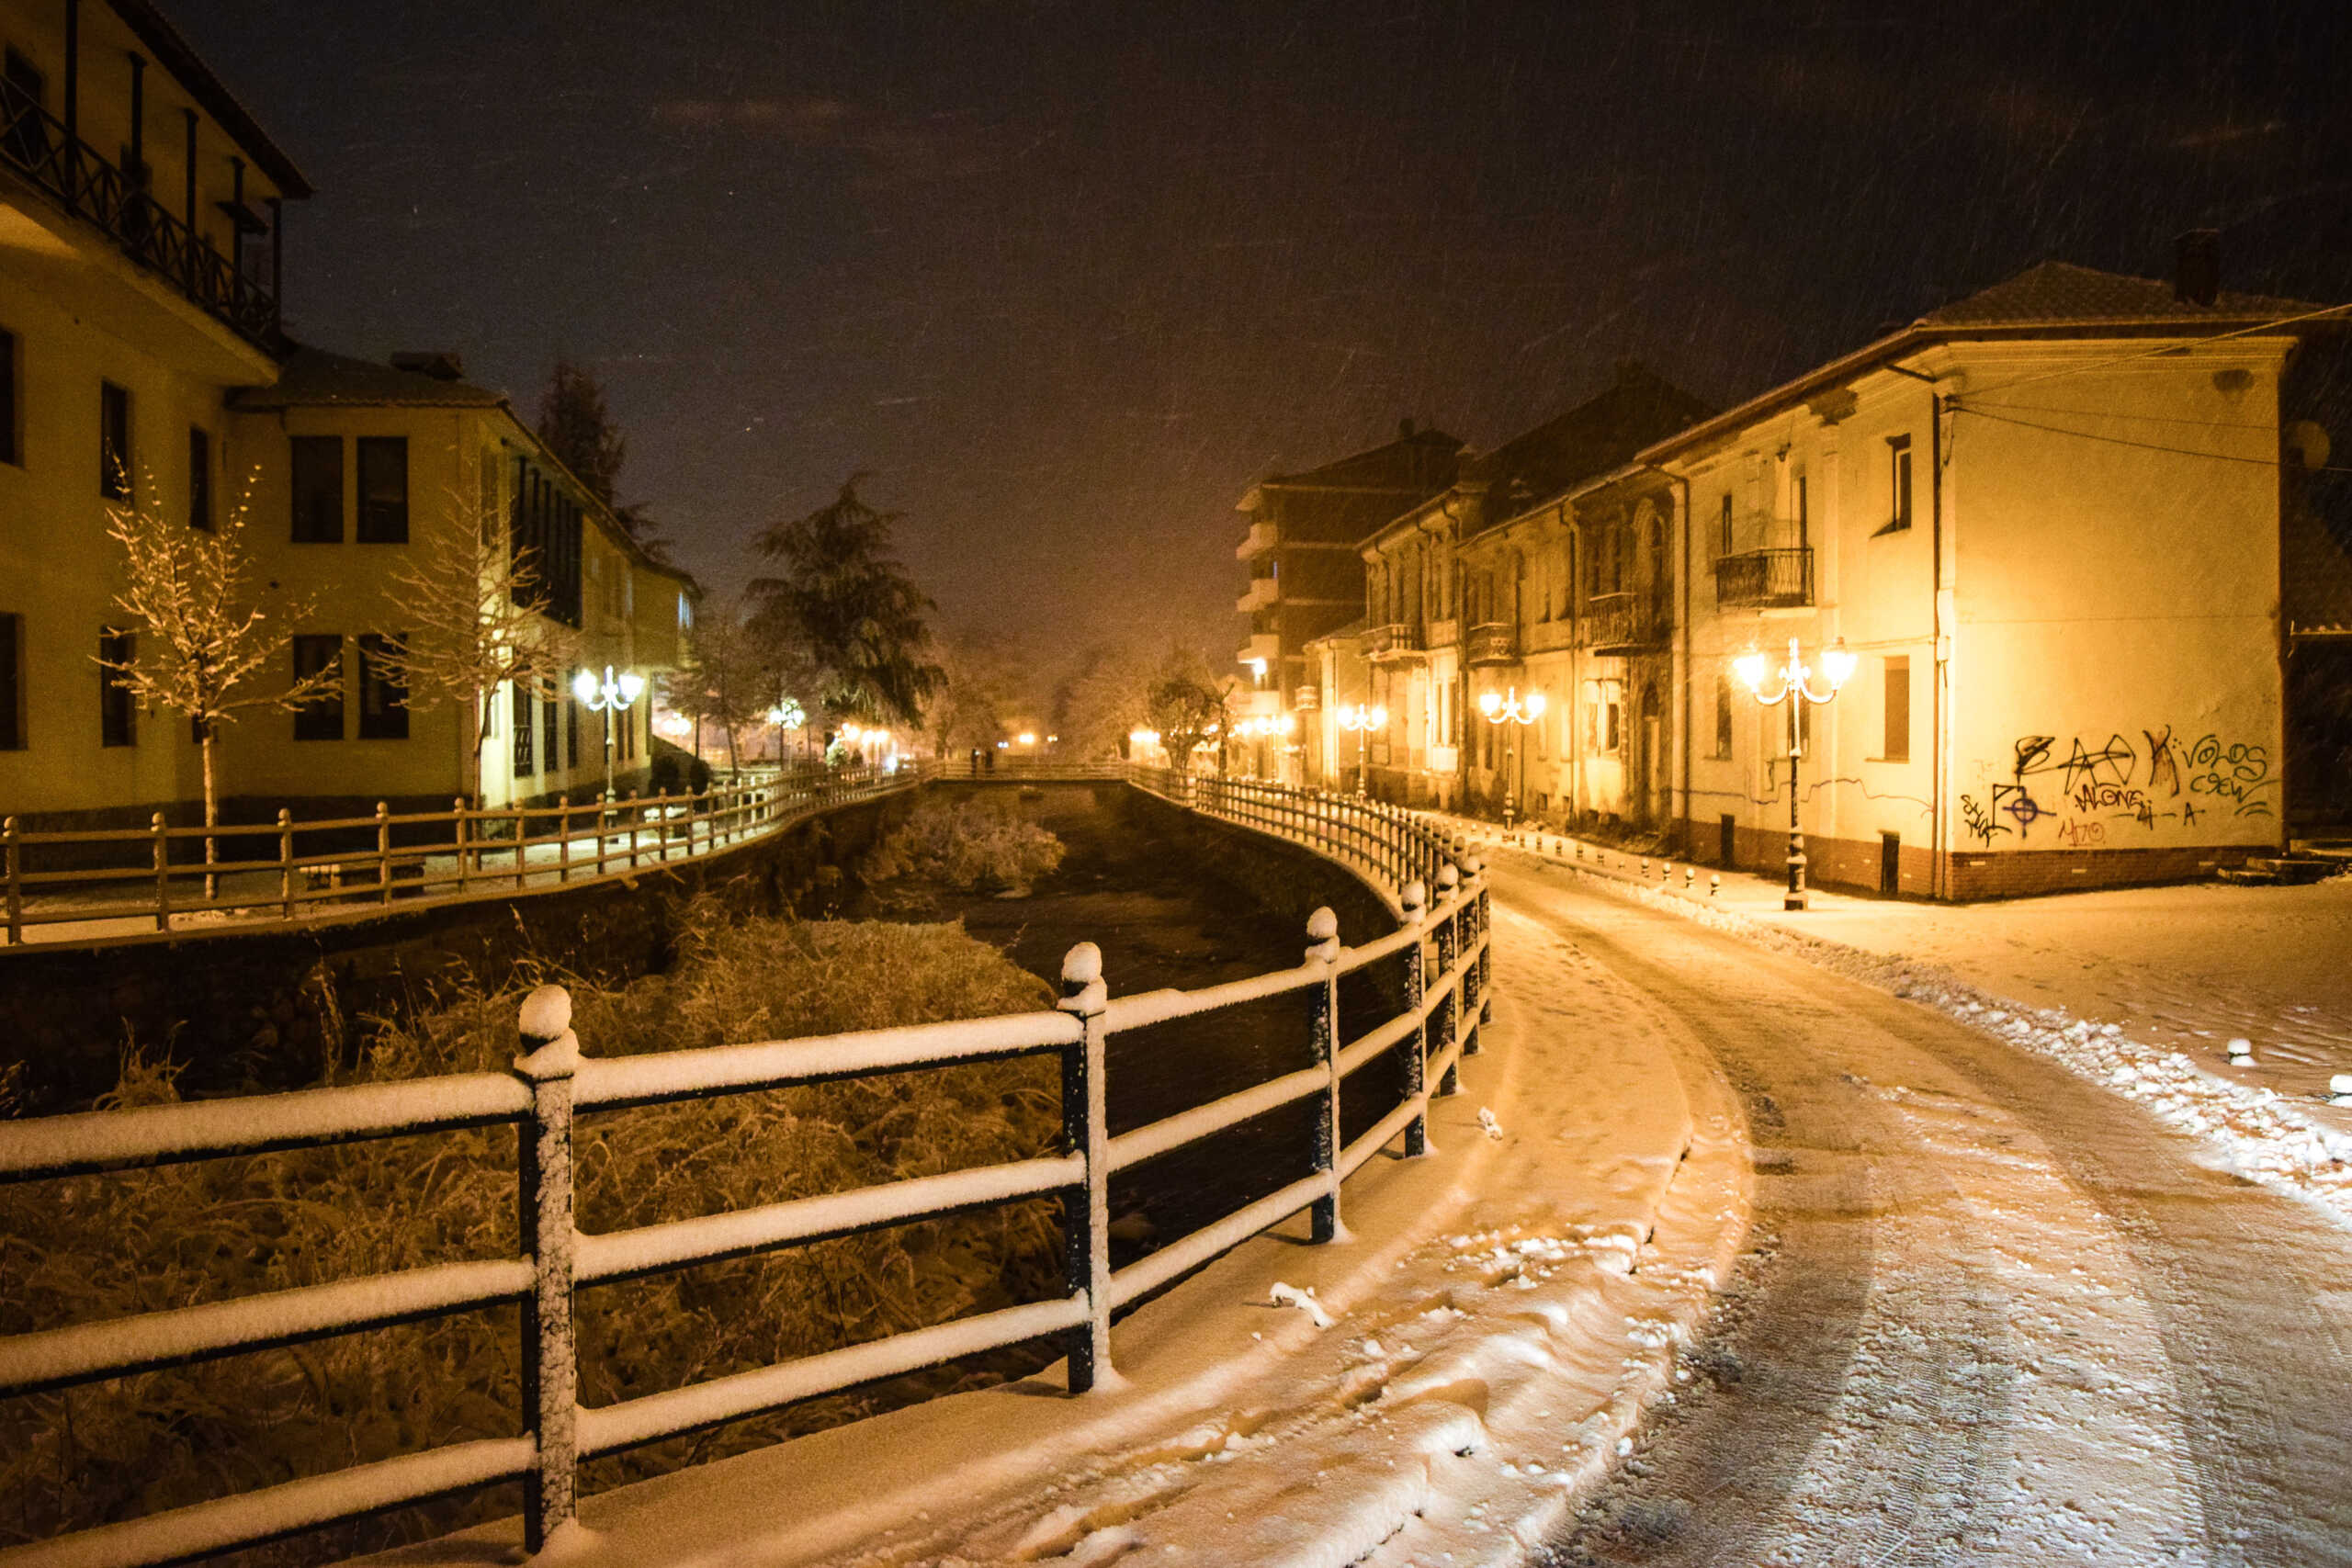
(723, 680)
(200, 639)
(474, 617)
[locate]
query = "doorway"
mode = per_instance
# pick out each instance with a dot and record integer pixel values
(1727, 852)
(1890, 864)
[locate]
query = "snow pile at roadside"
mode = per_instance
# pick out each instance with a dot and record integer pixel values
(2260, 1132)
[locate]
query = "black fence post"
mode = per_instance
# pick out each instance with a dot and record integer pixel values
(1416, 1043)
(1086, 1132)
(550, 1363)
(1323, 939)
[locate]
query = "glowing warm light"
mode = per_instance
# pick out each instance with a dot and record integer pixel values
(1488, 702)
(1536, 703)
(1750, 667)
(787, 715)
(1028, 738)
(1838, 663)
(674, 725)
(1501, 707)
(583, 686)
(1256, 669)
(1355, 716)
(632, 687)
(1143, 736)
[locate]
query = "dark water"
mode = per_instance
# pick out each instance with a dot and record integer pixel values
(1163, 917)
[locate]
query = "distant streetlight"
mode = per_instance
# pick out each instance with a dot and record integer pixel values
(1796, 690)
(1362, 720)
(787, 715)
(608, 697)
(1510, 710)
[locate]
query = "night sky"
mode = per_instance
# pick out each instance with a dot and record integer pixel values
(1068, 277)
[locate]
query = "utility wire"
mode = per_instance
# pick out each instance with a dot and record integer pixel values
(2147, 446)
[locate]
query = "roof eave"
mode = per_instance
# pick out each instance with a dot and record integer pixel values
(174, 53)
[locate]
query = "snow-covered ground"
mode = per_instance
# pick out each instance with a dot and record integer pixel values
(2142, 989)
(1498, 1315)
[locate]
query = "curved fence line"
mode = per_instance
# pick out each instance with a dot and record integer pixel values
(1441, 945)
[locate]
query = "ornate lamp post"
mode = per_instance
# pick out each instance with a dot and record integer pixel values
(1796, 690)
(608, 697)
(1362, 720)
(1500, 709)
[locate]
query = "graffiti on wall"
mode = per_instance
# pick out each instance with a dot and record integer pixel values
(2081, 789)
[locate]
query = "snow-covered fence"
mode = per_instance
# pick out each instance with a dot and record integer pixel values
(1442, 945)
(292, 871)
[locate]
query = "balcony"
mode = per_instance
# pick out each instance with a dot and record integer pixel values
(1626, 623)
(1262, 591)
(1492, 642)
(70, 172)
(1444, 632)
(1398, 642)
(1264, 536)
(1765, 580)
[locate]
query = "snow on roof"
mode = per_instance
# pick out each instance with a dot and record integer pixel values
(2059, 293)
(313, 377)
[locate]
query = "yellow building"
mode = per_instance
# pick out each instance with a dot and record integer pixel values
(2050, 519)
(140, 258)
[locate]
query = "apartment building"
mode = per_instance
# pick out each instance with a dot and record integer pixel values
(141, 363)
(1306, 579)
(2080, 531)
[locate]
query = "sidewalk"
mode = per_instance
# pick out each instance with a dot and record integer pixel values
(1498, 1315)
(2140, 988)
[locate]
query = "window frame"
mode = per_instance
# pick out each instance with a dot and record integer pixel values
(518, 708)
(12, 381)
(1899, 484)
(1726, 722)
(1890, 667)
(296, 492)
(383, 698)
(117, 708)
(13, 696)
(320, 718)
(199, 478)
(116, 453)
(376, 522)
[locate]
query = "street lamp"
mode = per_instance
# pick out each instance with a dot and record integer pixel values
(1500, 709)
(1363, 720)
(1796, 690)
(786, 715)
(608, 697)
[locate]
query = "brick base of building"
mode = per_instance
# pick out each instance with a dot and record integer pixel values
(1859, 865)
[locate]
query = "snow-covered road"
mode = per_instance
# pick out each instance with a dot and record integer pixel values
(1990, 1312)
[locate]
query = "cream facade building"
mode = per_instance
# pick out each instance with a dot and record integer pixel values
(2052, 522)
(140, 258)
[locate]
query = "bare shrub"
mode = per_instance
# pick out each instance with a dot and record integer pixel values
(973, 846)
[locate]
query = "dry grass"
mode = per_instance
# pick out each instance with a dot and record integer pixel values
(102, 1247)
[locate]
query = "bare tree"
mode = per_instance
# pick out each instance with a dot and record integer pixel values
(473, 616)
(724, 680)
(980, 688)
(199, 639)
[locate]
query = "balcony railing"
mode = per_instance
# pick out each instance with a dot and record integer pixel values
(1625, 623)
(35, 143)
(1397, 641)
(1765, 579)
(1492, 642)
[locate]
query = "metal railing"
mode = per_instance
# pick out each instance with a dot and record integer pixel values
(37, 145)
(1618, 622)
(1766, 579)
(1393, 639)
(1492, 642)
(1442, 947)
(290, 871)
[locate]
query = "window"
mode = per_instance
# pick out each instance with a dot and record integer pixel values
(383, 697)
(1723, 527)
(12, 682)
(318, 490)
(1722, 717)
(571, 730)
(10, 451)
(1801, 505)
(1898, 466)
(1898, 709)
(320, 718)
(520, 695)
(118, 714)
(114, 442)
(551, 721)
(24, 92)
(383, 489)
(199, 478)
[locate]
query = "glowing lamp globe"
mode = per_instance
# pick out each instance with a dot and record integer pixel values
(632, 687)
(1535, 704)
(1838, 663)
(1488, 702)
(1750, 667)
(583, 686)
(1379, 718)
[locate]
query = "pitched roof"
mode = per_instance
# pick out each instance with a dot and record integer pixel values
(1415, 461)
(1598, 436)
(313, 377)
(2059, 293)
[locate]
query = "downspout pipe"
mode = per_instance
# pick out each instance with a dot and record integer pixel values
(1683, 824)
(1939, 878)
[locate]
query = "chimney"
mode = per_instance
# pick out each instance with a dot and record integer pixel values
(441, 365)
(1405, 428)
(2196, 271)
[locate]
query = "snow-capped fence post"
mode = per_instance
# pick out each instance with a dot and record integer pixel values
(163, 872)
(1086, 1132)
(1416, 1044)
(636, 826)
(458, 833)
(286, 861)
(383, 851)
(1449, 942)
(550, 1365)
(1323, 940)
(15, 871)
(1481, 912)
